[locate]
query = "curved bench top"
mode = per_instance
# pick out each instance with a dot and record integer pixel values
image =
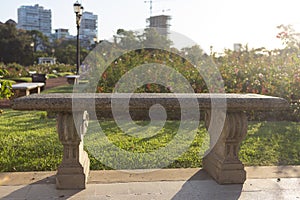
(101, 101)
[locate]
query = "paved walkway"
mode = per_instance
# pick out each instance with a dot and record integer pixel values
(262, 183)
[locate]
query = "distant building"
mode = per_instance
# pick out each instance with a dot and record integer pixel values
(88, 31)
(237, 47)
(47, 60)
(162, 22)
(62, 33)
(35, 18)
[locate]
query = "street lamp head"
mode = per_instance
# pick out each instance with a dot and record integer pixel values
(78, 8)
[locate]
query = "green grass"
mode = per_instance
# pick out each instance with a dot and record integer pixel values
(60, 89)
(52, 76)
(29, 142)
(272, 143)
(64, 73)
(64, 88)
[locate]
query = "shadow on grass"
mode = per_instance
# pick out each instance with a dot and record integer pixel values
(25, 121)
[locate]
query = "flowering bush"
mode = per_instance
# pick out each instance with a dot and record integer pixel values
(274, 73)
(16, 70)
(5, 86)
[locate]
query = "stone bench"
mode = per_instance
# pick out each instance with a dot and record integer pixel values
(24, 89)
(222, 162)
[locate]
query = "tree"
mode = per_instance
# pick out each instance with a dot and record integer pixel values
(150, 38)
(153, 39)
(15, 45)
(289, 37)
(65, 51)
(40, 41)
(127, 39)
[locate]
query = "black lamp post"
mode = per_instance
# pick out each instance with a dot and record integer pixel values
(78, 9)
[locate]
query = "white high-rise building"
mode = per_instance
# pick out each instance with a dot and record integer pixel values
(88, 31)
(35, 18)
(62, 33)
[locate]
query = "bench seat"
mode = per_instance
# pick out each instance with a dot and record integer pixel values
(73, 79)
(24, 89)
(225, 120)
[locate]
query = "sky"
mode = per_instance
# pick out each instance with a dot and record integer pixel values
(217, 23)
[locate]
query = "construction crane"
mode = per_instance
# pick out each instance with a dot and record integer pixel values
(151, 7)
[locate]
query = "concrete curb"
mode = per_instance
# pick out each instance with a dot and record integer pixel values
(115, 176)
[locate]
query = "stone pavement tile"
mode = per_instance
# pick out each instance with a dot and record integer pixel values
(271, 184)
(17, 192)
(138, 188)
(206, 195)
(289, 183)
(213, 186)
(140, 197)
(286, 188)
(207, 190)
(265, 195)
(89, 197)
(109, 189)
(88, 193)
(291, 194)
(36, 191)
(48, 191)
(171, 186)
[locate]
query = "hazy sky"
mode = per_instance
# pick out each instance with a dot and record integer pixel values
(217, 23)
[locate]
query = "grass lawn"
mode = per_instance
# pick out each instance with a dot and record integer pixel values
(60, 89)
(29, 142)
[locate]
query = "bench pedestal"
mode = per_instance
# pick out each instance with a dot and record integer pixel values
(74, 169)
(222, 162)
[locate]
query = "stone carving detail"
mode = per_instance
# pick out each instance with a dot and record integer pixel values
(234, 131)
(223, 160)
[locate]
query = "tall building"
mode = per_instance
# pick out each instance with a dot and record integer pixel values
(62, 33)
(88, 31)
(162, 22)
(35, 18)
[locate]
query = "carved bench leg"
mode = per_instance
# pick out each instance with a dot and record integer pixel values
(222, 162)
(74, 169)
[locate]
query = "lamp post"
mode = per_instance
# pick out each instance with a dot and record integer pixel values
(78, 9)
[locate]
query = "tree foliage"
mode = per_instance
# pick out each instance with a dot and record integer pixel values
(65, 51)
(15, 45)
